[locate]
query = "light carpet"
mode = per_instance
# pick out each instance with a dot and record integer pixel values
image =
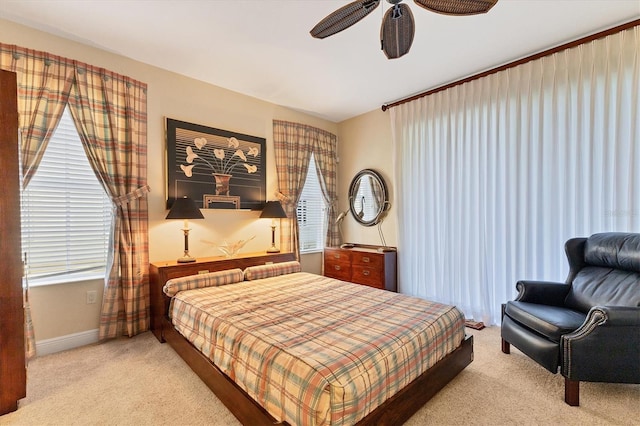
(139, 381)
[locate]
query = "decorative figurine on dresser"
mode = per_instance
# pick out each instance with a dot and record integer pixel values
(370, 265)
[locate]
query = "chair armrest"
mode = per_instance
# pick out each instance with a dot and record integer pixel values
(606, 316)
(621, 316)
(542, 292)
(605, 348)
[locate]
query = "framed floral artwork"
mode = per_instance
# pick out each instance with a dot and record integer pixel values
(218, 169)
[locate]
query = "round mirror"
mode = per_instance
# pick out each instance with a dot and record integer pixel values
(368, 197)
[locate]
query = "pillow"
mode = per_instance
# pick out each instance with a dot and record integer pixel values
(212, 279)
(271, 270)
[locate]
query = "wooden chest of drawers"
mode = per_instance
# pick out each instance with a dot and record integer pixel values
(362, 265)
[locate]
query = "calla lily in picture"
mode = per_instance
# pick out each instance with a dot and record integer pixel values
(199, 142)
(191, 155)
(233, 142)
(188, 170)
(219, 153)
(223, 160)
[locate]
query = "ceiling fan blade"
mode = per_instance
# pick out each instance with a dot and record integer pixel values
(397, 31)
(457, 7)
(343, 18)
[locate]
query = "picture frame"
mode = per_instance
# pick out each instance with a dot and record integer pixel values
(218, 169)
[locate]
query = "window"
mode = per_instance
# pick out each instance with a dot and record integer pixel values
(311, 213)
(66, 214)
(365, 192)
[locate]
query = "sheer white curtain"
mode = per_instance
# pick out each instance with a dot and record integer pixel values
(493, 176)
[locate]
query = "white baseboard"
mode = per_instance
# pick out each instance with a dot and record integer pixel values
(63, 343)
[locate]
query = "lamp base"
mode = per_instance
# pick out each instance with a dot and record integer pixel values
(186, 259)
(273, 248)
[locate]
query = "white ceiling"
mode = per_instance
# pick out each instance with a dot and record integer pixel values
(262, 48)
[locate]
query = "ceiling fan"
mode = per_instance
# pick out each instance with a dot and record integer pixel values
(396, 33)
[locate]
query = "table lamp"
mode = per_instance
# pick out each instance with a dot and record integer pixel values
(185, 208)
(273, 210)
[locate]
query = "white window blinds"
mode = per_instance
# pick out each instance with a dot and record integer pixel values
(311, 213)
(66, 214)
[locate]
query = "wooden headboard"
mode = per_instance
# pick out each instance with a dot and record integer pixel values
(161, 272)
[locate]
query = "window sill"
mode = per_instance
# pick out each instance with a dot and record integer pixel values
(311, 251)
(66, 279)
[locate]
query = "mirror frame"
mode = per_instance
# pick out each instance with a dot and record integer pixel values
(384, 207)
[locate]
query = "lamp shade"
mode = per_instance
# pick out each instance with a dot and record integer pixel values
(184, 208)
(273, 210)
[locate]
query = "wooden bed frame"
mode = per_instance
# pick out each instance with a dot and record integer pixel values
(394, 411)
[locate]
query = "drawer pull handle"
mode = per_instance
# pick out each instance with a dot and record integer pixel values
(365, 259)
(365, 272)
(336, 256)
(336, 267)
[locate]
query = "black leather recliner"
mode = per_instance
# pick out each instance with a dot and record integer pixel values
(589, 326)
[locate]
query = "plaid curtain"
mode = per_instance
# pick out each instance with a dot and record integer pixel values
(44, 83)
(294, 144)
(29, 333)
(110, 112)
(325, 150)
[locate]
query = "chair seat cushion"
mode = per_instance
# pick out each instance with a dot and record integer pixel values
(549, 321)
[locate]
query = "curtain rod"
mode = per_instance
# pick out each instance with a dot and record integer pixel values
(517, 62)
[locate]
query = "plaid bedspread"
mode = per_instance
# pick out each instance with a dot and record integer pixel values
(313, 350)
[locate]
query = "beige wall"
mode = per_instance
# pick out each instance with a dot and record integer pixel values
(61, 309)
(365, 143)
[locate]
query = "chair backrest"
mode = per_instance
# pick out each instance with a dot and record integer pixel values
(610, 275)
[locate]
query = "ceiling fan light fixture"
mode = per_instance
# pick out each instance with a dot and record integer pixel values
(396, 12)
(457, 7)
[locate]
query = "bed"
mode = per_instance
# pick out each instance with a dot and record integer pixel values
(278, 345)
